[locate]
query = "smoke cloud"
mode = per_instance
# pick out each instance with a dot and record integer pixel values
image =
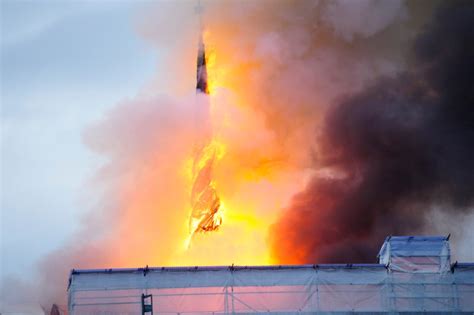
(328, 142)
(394, 151)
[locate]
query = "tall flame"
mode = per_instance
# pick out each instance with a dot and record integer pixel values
(205, 203)
(238, 176)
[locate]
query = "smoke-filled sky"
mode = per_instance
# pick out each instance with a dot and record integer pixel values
(336, 123)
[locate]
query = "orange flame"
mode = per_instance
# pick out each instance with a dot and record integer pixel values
(247, 174)
(251, 172)
(206, 215)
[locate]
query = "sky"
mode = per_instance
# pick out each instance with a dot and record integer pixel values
(63, 65)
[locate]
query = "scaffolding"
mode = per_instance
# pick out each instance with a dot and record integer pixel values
(415, 275)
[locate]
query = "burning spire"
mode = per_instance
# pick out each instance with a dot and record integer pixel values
(205, 202)
(201, 75)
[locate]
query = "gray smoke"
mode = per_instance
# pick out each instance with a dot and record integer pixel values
(401, 147)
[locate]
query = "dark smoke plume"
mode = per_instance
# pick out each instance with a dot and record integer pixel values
(395, 150)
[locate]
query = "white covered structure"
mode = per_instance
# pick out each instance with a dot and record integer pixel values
(415, 275)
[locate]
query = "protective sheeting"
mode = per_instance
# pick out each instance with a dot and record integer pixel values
(414, 275)
(416, 253)
(276, 289)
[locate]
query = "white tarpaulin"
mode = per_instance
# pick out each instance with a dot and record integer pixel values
(276, 289)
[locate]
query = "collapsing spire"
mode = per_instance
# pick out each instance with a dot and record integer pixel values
(201, 75)
(205, 202)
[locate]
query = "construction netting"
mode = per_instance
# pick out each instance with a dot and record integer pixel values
(272, 289)
(416, 253)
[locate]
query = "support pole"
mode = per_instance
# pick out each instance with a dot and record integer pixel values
(147, 304)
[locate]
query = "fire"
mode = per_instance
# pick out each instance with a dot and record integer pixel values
(206, 214)
(205, 202)
(231, 162)
(235, 178)
(214, 73)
